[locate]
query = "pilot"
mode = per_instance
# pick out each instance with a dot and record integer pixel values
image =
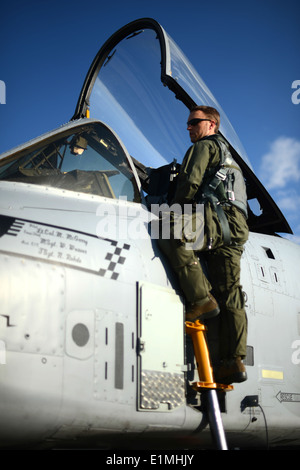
(225, 233)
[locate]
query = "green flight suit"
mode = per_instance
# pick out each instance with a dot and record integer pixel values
(222, 262)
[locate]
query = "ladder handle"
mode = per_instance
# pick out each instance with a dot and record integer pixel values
(197, 332)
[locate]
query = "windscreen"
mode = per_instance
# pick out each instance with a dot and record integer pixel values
(87, 159)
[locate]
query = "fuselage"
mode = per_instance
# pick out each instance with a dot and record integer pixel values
(89, 317)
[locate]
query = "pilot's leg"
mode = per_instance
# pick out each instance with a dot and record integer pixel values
(224, 269)
(193, 282)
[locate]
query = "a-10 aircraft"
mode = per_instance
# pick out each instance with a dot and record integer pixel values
(93, 344)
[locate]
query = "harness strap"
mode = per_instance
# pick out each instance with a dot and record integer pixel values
(210, 193)
(222, 218)
(224, 224)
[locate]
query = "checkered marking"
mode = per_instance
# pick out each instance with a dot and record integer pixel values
(10, 226)
(114, 259)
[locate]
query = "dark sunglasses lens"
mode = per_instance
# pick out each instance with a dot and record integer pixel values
(193, 122)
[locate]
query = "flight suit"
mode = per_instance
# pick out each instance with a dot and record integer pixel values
(222, 263)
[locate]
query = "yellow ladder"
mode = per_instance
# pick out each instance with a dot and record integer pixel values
(206, 383)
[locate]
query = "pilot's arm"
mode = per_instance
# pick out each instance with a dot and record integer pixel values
(199, 156)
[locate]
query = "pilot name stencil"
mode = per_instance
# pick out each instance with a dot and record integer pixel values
(62, 246)
(53, 243)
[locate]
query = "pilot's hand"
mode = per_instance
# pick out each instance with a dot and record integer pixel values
(162, 199)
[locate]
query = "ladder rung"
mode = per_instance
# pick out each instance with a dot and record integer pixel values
(199, 386)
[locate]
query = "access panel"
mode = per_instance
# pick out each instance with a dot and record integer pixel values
(161, 384)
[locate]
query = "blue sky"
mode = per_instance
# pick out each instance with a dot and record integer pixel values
(247, 52)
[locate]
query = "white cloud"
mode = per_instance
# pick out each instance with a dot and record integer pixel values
(289, 200)
(293, 238)
(281, 165)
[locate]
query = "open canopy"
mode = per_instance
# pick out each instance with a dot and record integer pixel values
(124, 89)
(142, 86)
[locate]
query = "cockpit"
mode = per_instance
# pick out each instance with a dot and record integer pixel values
(87, 159)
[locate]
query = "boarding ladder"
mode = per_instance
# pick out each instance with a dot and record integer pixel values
(206, 384)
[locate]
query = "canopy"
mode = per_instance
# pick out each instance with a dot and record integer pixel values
(142, 86)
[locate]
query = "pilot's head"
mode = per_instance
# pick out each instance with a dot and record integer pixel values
(203, 121)
(78, 145)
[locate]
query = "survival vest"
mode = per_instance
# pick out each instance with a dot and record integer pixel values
(224, 185)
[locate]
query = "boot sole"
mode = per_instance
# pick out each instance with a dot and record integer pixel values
(237, 377)
(205, 316)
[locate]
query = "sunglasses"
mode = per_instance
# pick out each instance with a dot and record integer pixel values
(194, 122)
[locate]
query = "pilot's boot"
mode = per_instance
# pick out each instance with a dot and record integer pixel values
(231, 371)
(202, 312)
